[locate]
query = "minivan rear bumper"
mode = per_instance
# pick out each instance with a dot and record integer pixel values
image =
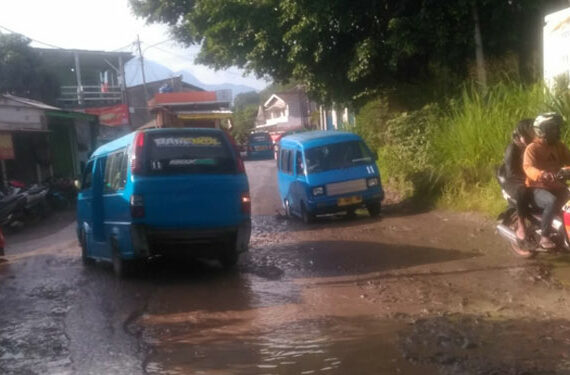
(202, 242)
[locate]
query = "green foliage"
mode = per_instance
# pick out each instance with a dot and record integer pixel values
(245, 99)
(407, 155)
(345, 50)
(448, 154)
(21, 71)
(371, 121)
(243, 122)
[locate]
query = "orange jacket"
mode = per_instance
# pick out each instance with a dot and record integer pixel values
(541, 157)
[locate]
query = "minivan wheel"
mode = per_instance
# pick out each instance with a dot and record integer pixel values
(83, 244)
(121, 267)
(374, 209)
(287, 208)
(307, 217)
(229, 256)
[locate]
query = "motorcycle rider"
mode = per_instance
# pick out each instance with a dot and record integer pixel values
(543, 158)
(515, 175)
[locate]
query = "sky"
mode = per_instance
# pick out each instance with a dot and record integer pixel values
(107, 25)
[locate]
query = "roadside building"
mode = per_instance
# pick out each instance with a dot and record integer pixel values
(557, 49)
(38, 141)
(286, 111)
(198, 109)
(139, 95)
(92, 82)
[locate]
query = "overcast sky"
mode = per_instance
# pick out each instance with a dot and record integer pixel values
(106, 25)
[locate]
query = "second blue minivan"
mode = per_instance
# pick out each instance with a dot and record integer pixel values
(323, 172)
(162, 191)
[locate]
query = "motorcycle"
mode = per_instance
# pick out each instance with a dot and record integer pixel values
(11, 202)
(507, 225)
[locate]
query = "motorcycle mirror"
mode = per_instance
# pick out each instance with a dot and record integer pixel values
(77, 184)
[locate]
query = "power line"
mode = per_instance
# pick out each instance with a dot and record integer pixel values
(33, 40)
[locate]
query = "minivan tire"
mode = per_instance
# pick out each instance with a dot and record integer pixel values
(229, 256)
(83, 244)
(287, 208)
(374, 209)
(121, 268)
(306, 216)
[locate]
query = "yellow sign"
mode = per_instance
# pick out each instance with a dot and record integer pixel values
(6, 146)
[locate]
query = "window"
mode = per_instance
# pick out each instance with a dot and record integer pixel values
(287, 161)
(189, 152)
(87, 176)
(116, 171)
(299, 163)
(337, 156)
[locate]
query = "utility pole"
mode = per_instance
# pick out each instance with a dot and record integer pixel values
(141, 58)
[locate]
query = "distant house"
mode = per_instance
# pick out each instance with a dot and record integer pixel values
(285, 111)
(38, 141)
(199, 109)
(139, 95)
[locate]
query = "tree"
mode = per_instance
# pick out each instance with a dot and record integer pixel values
(21, 71)
(244, 122)
(346, 50)
(246, 99)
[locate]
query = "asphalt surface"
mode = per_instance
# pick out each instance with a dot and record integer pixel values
(409, 293)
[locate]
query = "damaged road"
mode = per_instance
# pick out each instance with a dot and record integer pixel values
(409, 293)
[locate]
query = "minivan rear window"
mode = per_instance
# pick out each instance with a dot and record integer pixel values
(260, 137)
(189, 152)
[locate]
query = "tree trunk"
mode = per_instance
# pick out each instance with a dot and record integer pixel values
(481, 73)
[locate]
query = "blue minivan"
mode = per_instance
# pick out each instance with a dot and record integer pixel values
(260, 146)
(324, 172)
(162, 191)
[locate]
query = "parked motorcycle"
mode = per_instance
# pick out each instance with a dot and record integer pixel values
(11, 201)
(531, 246)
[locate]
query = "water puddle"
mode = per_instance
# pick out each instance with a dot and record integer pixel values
(314, 346)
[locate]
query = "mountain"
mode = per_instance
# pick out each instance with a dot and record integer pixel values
(187, 76)
(155, 71)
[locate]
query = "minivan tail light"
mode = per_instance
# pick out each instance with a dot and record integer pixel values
(137, 206)
(246, 203)
(136, 155)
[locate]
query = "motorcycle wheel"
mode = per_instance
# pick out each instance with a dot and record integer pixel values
(532, 242)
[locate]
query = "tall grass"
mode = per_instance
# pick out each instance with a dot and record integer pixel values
(472, 137)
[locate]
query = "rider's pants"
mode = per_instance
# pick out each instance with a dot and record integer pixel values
(551, 201)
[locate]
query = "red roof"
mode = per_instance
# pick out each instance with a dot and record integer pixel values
(185, 97)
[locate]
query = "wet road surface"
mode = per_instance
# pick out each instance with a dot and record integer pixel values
(428, 293)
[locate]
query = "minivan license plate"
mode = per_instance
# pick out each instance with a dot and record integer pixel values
(347, 201)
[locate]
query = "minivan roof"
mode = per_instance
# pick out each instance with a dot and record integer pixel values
(318, 138)
(127, 140)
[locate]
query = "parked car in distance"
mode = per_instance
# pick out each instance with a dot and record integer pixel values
(163, 191)
(323, 172)
(259, 146)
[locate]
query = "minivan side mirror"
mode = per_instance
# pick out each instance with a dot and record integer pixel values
(77, 184)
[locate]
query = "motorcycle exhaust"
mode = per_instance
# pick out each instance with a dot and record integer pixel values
(507, 233)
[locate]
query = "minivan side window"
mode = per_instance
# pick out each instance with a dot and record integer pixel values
(286, 161)
(87, 176)
(116, 171)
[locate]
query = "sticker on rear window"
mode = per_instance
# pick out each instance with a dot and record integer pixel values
(192, 162)
(187, 141)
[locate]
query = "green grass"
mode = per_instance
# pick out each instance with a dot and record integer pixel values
(448, 153)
